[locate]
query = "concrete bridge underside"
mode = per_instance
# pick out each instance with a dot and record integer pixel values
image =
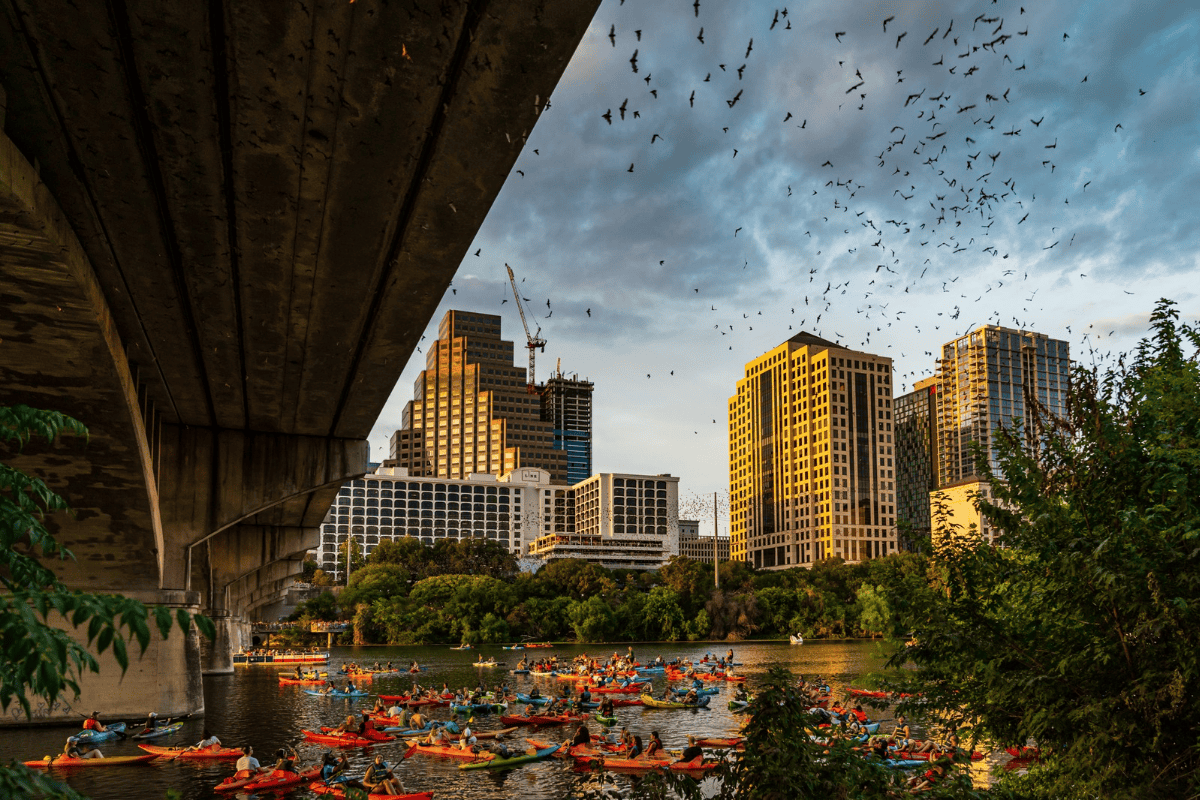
(223, 228)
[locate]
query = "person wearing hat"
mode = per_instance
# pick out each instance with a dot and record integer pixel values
(151, 723)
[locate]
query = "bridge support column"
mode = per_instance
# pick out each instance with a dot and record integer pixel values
(165, 679)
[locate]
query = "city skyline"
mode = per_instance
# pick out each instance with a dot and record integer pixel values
(697, 227)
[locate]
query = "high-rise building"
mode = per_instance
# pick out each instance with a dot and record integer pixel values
(615, 520)
(567, 406)
(983, 381)
(700, 548)
(915, 431)
(811, 463)
(471, 411)
(989, 379)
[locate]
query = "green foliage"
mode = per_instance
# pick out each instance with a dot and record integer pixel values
(1083, 631)
(38, 661)
(322, 608)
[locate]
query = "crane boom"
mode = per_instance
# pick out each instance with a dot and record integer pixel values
(534, 341)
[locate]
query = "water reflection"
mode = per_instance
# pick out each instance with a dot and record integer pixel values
(250, 707)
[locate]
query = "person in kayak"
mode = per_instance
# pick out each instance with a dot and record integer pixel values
(417, 722)
(654, 746)
(208, 741)
(93, 723)
(582, 736)
(73, 750)
(333, 770)
(691, 698)
(248, 761)
(287, 758)
(349, 726)
(636, 750)
(692, 751)
(606, 707)
(466, 737)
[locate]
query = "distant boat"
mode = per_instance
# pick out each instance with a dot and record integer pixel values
(796, 639)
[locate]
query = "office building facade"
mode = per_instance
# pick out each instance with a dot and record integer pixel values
(916, 436)
(811, 461)
(701, 548)
(471, 410)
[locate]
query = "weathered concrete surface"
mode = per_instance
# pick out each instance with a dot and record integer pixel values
(223, 228)
(165, 679)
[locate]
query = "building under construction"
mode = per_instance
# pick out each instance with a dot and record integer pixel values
(567, 406)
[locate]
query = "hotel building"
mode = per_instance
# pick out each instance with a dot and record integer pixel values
(811, 462)
(985, 381)
(472, 411)
(619, 521)
(390, 503)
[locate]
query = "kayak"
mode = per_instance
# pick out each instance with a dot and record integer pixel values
(302, 681)
(319, 787)
(344, 739)
(512, 761)
(91, 737)
(697, 764)
(738, 705)
(911, 756)
(533, 701)
(605, 721)
(903, 763)
(514, 647)
(486, 664)
(462, 647)
(701, 691)
(736, 741)
(180, 752)
(479, 708)
(236, 781)
(627, 702)
(450, 752)
(355, 693)
(280, 779)
(63, 762)
(633, 688)
(650, 702)
(162, 730)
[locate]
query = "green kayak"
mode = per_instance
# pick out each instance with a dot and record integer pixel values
(606, 721)
(514, 761)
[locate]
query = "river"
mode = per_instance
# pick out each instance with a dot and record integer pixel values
(251, 707)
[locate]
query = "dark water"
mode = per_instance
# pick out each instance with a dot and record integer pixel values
(250, 707)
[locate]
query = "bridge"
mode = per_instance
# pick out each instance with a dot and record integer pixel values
(223, 228)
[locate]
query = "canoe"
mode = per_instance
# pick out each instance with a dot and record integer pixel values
(344, 739)
(280, 779)
(651, 702)
(114, 731)
(62, 762)
(449, 752)
(181, 752)
(337, 694)
(512, 761)
(319, 787)
(302, 681)
(162, 730)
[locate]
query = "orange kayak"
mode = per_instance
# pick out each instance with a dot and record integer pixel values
(62, 762)
(180, 752)
(317, 787)
(451, 752)
(280, 779)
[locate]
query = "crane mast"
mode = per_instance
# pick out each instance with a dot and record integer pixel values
(534, 340)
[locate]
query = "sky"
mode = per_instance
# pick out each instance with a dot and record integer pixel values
(887, 175)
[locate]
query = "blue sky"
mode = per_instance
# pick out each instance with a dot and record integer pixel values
(1075, 227)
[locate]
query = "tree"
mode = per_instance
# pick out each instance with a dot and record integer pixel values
(355, 548)
(1082, 631)
(36, 659)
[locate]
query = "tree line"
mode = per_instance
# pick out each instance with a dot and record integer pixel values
(471, 591)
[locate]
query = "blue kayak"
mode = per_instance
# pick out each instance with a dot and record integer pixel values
(701, 691)
(905, 763)
(115, 730)
(533, 701)
(354, 693)
(161, 730)
(518, 672)
(397, 731)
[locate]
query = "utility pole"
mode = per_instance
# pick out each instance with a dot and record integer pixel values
(716, 552)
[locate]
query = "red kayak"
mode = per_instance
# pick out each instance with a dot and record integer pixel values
(346, 739)
(317, 787)
(637, 688)
(62, 762)
(905, 755)
(619, 702)
(237, 780)
(1024, 752)
(280, 779)
(736, 741)
(180, 752)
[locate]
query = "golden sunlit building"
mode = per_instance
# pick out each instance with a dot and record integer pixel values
(472, 411)
(811, 471)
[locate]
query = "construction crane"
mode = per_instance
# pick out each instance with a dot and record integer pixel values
(534, 340)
